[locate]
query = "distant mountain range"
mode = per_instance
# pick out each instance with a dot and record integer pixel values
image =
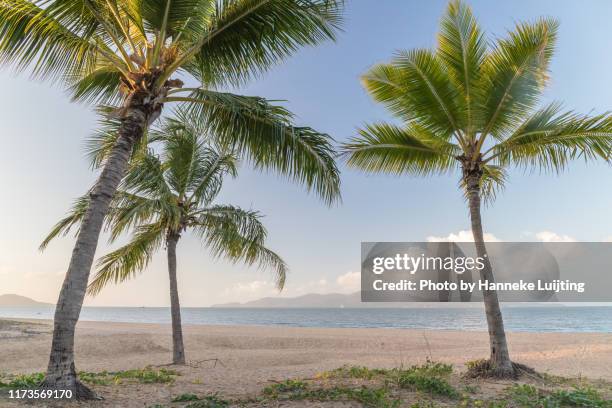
(10, 300)
(337, 300)
(310, 300)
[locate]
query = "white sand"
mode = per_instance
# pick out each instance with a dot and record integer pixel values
(251, 356)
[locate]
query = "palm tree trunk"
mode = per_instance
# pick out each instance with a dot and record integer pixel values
(500, 364)
(61, 373)
(175, 306)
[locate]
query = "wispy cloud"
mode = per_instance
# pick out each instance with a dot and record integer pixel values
(549, 236)
(348, 282)
(250, 290)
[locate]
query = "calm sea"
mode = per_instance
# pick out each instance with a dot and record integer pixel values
(524, 318)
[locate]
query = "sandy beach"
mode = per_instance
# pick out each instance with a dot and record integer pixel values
(240, 361)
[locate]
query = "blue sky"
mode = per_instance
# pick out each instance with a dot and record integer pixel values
(42, 165)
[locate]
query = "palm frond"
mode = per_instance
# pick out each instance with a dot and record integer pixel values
(32, 36)
(101, 86)
(515, 73)
(224, 229)
(263, 134)
(492, 182)
(247, 37)
(416, 87)
(187, 18)
(270, 260)
(238, 235)
(63, 227)
(195, 169)
(129, 210)
(390, 149)
(125, 262)
(147, 177)
(208, 180)
(549, 139)
(462, 48)
(184, 154)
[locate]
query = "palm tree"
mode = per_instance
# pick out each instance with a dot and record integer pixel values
(472, 107)
(161, 199)
(129, 52)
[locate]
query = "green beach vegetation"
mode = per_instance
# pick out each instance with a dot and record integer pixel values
(162, 198)
(431, 385)
(129, 53)
(473, 107)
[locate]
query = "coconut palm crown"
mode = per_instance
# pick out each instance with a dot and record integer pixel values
(473, 106)
(131, 53)
(163, 198)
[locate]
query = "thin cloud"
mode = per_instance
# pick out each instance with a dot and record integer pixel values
(462, 236)
(549, 236)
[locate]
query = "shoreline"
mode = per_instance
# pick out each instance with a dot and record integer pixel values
(286, 326)
(292, 326)
(119, 345)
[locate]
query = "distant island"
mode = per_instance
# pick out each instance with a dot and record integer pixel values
(11, 300)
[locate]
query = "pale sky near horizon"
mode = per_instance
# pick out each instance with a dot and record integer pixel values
(43, 168)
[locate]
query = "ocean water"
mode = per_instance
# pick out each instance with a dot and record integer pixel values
(523, 318)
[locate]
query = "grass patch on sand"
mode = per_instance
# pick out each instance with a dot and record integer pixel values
(382, 390)
(185, 398)
(529, 396)
(296, 390)
(429, 385)
(147, 375)
(431, 377)
(288, 386)
(209, 401)
(434, 385)
(22, 381)
(358, 372)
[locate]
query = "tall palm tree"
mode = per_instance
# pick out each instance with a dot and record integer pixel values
(129, 52)
(472, 107)
(161, 199)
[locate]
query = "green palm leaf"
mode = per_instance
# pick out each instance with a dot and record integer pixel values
(239, 236)
(262, 133)
(63, 226)
(131, 210)
(549, 138)
(31, 37)
(515, 74)
(390, 149)
(415, 87)
(462, 48)
(125, 262)
(246, 37)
